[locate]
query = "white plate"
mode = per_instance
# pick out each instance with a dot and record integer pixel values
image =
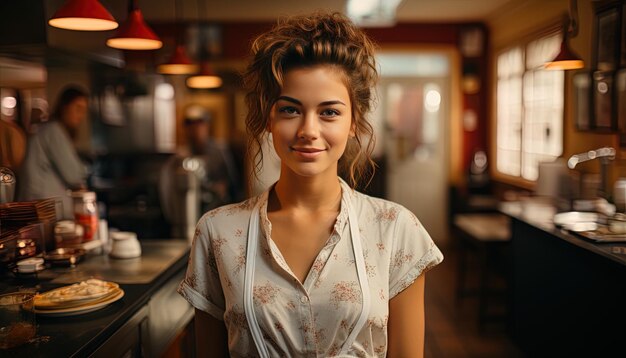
(81, 309)
(573, 217)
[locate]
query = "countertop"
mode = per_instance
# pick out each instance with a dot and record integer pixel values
(81, 335)
(540, 216)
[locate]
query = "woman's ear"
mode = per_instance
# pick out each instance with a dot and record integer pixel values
(352, 129)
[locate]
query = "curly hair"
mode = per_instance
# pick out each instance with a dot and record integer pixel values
(303, 41)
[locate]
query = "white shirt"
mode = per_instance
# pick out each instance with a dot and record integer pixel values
(313, 318)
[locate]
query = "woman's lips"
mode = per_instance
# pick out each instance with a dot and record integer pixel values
(308, 153)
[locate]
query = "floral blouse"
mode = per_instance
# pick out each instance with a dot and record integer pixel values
(312, 318)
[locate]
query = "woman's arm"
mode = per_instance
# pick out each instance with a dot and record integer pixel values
(406, 321)
(211, 336)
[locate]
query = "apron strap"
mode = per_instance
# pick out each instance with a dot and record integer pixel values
(355, 237)
(248, 286)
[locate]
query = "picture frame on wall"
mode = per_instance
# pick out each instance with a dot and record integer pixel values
(607, 40)
(582, 100)
(603, 118)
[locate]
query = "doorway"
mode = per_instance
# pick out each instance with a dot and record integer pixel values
(413, 123)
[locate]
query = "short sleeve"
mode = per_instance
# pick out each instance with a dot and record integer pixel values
(413, 253)
(201, 286)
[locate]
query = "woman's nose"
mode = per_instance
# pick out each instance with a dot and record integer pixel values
(309, 127)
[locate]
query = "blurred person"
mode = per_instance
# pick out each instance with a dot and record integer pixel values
(199, 177)
(12, 132)
(219, 182)
(12, 145)
(311, 267)
(52, 165)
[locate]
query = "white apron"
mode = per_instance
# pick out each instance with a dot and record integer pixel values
(251, 250)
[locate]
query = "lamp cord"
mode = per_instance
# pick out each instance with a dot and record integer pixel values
(572, 29)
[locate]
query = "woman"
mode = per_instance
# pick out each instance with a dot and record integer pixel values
(52, 166)
(311, 267)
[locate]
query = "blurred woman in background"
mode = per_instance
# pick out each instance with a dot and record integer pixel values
(51, 165)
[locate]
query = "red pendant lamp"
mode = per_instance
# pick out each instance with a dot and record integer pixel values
(205, 79)
(135, 34)
(83, 15)
(179, 63)
(567, 59)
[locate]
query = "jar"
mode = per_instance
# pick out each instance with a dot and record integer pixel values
(86, 213)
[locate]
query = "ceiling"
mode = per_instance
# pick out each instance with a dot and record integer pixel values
(269, 10)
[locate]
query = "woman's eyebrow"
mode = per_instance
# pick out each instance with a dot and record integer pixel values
(289, 99)
(293, 100)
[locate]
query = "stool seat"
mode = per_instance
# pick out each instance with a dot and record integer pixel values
(484, 226)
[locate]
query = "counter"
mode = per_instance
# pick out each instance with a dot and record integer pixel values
(566, 293)
(143, 322)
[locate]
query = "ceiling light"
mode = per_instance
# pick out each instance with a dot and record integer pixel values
(205, 79)
(135, 34)
(178, 64)
(83, 15)
(567, 59)
(372, 12)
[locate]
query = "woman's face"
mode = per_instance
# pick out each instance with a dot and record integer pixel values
(311, 121)
(75, 112)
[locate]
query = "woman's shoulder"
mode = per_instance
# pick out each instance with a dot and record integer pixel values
(380, 209)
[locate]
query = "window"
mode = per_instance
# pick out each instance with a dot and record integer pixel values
(529, 112)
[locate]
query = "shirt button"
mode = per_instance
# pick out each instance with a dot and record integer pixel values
(304, 299)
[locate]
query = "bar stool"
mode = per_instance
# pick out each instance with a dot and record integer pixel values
(488, 235)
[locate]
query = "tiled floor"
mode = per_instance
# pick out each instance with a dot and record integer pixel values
(452, 329)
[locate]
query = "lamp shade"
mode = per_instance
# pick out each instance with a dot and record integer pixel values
(566, 59)
(135, 34)
(179, 63)
(83, 15)
(205, 79)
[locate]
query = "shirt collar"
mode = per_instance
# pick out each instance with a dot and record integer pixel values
(342, 219)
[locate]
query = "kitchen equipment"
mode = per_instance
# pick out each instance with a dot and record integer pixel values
(64, 256)
(30, 265)
(7, 185)
(17, 319)
(124, 245)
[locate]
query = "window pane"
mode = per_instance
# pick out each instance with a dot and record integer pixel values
(510, 63)
(529, 108)
(542, 50)
(509, 125)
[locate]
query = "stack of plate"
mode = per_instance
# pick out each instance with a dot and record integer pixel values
(78, 298)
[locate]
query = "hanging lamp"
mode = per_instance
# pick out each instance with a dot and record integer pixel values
(567, 59)
(135, 34)
(205, 79)
(179, 63)
(83, 15)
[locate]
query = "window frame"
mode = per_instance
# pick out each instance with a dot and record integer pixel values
(522, 42)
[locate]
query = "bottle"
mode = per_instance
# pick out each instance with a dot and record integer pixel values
(86, 213)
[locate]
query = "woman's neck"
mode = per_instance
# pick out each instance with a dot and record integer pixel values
(293, 192)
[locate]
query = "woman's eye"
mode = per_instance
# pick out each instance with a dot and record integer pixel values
(330, 113)
(288, 110)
